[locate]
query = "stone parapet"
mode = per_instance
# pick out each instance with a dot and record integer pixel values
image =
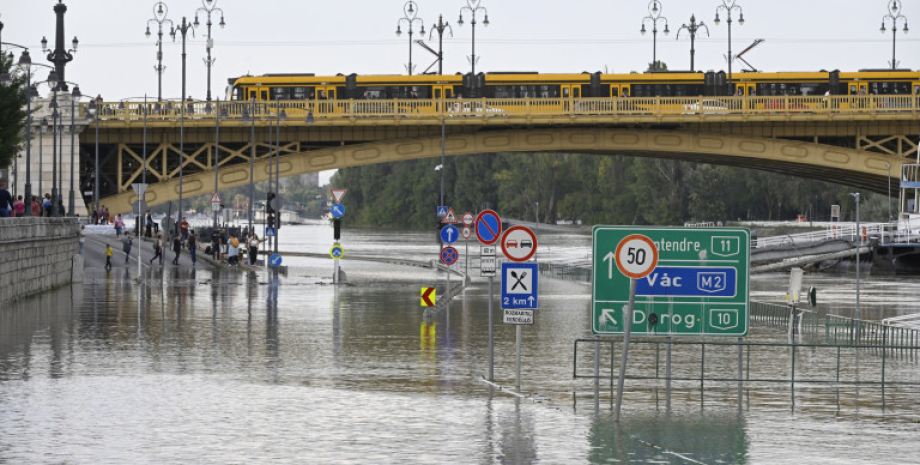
(36, 255)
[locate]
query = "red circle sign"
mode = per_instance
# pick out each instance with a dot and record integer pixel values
(468, 218)
(636, 256)
(519, 244)
(466, 232)
(488, 227)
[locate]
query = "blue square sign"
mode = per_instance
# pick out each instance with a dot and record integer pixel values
(519, 285)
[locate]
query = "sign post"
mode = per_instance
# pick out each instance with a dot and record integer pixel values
(488, 231)
(636, 257)
(699, 286)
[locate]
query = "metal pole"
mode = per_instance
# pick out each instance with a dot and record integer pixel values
(474, 47)
(491, 332)
(252, 161)
(140, 200)
(627, 328)
(858, 245)
(184, 29)
(730, 52)
(443, 152)
(441, 45)
(160, 63)
(96, 164)
(28, 185)
(54, 193)
(597, 374)
(894, 41)
(216, 159)
(71, 210)
(209, 63)
(278, 182)
(517, 346)
(655, 46)
(692, 50)
(667, 374)
(889, 192)
(740, 375)
(41, 164)
(410, 49)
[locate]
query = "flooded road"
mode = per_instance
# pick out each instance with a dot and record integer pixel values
(221, 366)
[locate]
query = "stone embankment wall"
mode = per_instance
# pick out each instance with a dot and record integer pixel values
(36, 255)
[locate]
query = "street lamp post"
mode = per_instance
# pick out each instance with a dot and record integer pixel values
(729, 6)
(94, 109)
(410, 16)
(249, 117)
(282, 115)
(440, 28)
(160, 10)
(41, 159)
(473, 6)
(692, 28)
(183, 29)
(60, 57)
(216, 158)
(654, 16)
(71, 209)
(53, 82)
(209, 7)
(25, 65)
(894, 14)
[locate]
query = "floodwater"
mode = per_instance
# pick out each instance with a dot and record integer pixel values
(226, 367)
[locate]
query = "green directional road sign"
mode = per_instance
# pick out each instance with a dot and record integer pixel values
(699, 287)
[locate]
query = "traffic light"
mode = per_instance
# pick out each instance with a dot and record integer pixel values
(269, 208)
(336, 228)
(270, 220)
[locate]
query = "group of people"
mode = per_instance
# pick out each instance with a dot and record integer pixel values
(227, 248)
(101, 215)
(11, 207)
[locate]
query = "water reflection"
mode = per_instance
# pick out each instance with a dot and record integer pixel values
(669, 439)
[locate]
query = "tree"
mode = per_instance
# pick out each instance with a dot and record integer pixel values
(661, 66)
(12, 114)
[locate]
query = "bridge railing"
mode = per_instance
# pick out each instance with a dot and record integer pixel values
(685, 107)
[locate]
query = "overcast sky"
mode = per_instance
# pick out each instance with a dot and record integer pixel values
(345, 36)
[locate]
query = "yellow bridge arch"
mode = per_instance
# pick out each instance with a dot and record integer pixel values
(846, 165)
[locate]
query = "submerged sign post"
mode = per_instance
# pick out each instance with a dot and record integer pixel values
(699, 287)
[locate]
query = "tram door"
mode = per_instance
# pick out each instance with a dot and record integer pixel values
(620, 90)
(569, 92)
(441, 91)
(324, 96)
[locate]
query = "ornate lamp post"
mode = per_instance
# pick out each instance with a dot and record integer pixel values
(410, 16)
(93, 111)
(654, 16)
(729, 6)
(53, 82)
(692, 28)
(60, 57)
(183, 29)
(440, 28)
(74, 96)
(160, 10)
(894, 14)
(473, 6)
(208, 8)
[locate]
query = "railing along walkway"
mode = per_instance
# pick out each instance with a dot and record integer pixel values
(685, 108)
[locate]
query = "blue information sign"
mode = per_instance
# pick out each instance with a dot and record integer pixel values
(519, 285)
(269, 232)
(449, 234)
(338, 210)
(687, 281)
(275, 259)
(442, 211)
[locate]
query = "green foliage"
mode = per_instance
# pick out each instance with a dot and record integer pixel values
(12, 114)
(590, 188)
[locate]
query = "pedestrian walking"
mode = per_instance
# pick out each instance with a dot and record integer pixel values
(158, 249)
(215, 244)
(224, 249)
(183, 228)
(105, 215)
(95, 217)
(36, 208)
(82, 234)
(233, 250)
(148, 233)
(119, 226)
(254, 242)
(192, 246)
(128, 242)
(108, 257)
(177, 247)
(6, 201)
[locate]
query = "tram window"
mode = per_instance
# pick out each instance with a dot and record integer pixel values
(576, 92)
(300, 93)
(852, 89)
(281, 93)
(437, 93)
(264, 95)
(916, 90)
(565, 92)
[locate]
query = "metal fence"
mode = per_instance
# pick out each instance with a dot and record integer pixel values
(816, 377)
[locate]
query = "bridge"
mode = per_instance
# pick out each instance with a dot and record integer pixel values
(846, 139)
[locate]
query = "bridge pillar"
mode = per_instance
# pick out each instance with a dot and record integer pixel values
(42, 157)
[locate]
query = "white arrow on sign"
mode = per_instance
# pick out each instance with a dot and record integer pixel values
(610, 256)
(608, 314)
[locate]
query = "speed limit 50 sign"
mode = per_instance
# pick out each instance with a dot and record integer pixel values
(689, 281)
